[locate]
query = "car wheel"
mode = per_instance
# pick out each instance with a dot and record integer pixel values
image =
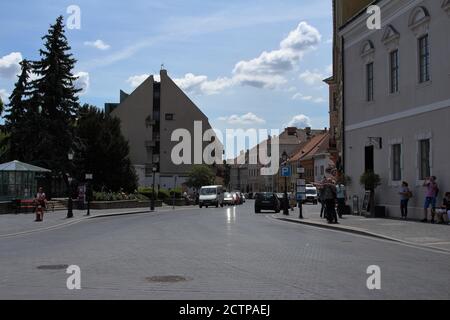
(277, 211)
(257, 210)
(201, 206)
(221, 205)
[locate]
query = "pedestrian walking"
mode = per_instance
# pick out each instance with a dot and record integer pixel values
(341, 195)
(430, 197)
(40, 201)
(330, 201)
(405, 195)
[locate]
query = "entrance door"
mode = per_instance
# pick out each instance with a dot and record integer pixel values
(369, 159)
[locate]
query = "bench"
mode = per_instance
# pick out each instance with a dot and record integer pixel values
(24, 206)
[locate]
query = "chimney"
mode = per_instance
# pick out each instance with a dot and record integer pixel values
(308, 132)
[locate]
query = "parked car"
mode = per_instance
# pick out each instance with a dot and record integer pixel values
(238, 197)
(311, 194)
(211, 196)
(228, 199)
(266, 201)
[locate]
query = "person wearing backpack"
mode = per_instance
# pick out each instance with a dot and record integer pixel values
(405, 195)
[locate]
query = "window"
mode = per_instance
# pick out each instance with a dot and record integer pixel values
(322, 171)
(169, 116)
(394, 71)
(369, 74)
(424, 59)
(396, 162)
(424, 160)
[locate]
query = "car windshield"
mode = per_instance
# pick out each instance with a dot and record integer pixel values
(227, 195)
(208, 191)
(264, 196)
(311, 191)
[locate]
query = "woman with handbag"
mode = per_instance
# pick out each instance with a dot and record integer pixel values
(405, 195)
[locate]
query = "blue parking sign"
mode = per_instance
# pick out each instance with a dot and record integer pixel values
(286, 171)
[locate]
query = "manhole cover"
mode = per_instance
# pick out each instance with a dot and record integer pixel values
(53, 267)
(166, 279)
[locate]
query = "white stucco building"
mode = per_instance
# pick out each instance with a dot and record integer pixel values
(397, 100)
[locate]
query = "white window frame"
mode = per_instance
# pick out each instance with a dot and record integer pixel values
(392, 142)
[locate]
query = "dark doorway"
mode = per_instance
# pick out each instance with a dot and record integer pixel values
(369, 159)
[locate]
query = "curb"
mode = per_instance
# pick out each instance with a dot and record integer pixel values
(358, 232)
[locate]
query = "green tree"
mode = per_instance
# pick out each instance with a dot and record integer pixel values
(101, 149)
(54, 100)
(18, 119)
(227, 174)
(200, 175)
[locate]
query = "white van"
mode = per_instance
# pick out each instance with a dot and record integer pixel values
(211, 196)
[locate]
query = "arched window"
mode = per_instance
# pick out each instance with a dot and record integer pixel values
(419, 21)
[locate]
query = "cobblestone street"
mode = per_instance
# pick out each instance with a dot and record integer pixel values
(228, 253)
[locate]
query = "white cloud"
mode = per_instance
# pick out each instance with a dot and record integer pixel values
(300, 121)
(10, 65)
(249, 118)
(311, 77)
(82, 82)
(268, 70)
(99, 44)
(4, 96)
(136, 81)
(193, 84)
(329, 70)
(302, 97)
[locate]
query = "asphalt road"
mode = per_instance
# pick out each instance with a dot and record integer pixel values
(228, 253)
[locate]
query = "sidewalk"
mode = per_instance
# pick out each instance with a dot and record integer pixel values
(410, 232)
(11, 224)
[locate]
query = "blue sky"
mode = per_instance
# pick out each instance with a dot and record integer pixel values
(246, 64)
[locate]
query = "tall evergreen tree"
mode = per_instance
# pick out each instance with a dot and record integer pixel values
(18, 116)
(54, 97)
(102, 151)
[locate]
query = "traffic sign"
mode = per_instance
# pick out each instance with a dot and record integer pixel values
(286, 171)
(301, 189)
(300, 170)
(301, 182)
(300, 196)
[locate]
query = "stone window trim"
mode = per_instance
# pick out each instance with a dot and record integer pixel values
(446, 6)
(367, 52)
(391, 143)
(419, 21)
(391, 38)
(419, 137)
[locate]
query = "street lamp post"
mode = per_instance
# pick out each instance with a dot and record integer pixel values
(286, 201)
(88, 193)
(152, 202)
(70, 156)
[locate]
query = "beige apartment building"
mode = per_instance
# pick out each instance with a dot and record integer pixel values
(396, 94)
(149, 116)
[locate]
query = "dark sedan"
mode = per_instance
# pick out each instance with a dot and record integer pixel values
(266, 201)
